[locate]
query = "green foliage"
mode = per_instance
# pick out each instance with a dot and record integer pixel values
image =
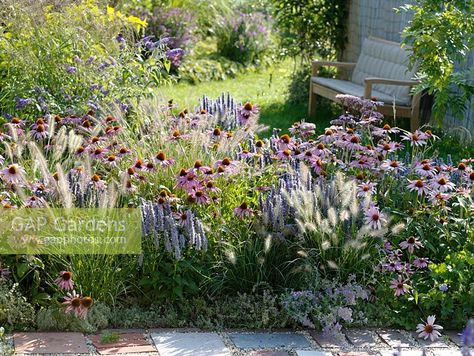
(63, 58)
(253, 311)
(310, 27)
(108, 337)
(243, 37)
(15, 311)
(53, 318)
(440, 34)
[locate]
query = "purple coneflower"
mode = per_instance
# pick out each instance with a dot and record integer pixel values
(13, 174)
(392, 166)
(97, 182)
(399, 286)
(442, 184)
(99, 153)
(366, 189)
(429, 329)
(411, 244)
(419, 186)
(243, 211)
(247, 111)
(416, 138)
(421, 262)
(162, 160)
(72, 301)
(425, 168)
(64, 281)
(374, 218)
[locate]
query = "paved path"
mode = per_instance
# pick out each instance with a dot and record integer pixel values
(190, 342)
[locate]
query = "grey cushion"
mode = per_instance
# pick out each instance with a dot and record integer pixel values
(346, 87)
(384, 59)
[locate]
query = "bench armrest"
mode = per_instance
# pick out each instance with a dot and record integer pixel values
(368, 82)
(317, 64)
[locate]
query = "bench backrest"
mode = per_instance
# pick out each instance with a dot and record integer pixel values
(384, 59)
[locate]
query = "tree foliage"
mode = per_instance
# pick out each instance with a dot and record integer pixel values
(441, 34)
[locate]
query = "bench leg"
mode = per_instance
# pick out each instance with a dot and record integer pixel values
(312, 102)
(415, 113)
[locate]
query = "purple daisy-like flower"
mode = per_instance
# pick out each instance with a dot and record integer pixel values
(374, 218)
(64, 281)
(13, 174)
(411, 244)
(246, 112)
(418, 185)
(366, 189)
(243, 211)
(417, 138)
(441, 183)
(429, 329)
(421, 262)
(399, 286)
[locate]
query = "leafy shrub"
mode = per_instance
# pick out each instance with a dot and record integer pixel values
(54, 319)
(440, 33)
(244, 37)
(15, 311)
(73, 57)
(329, 308)
(310, 27)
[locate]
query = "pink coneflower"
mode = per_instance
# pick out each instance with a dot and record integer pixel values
(246, 112)
(363, 162)
(283, 155)
(16, 122)
(374, 218)
(399, 286)
(35, 202)
(86, 304)
(387, 129)
(321, 150)
(181, 218)
(328, 136)
(366, 189)
(99, 153)
(64, 281)
(438, 197)
(419, 186)
(306, 155)
(392, 166)
(150, 167)
(243, 211)
(139, 165)
(40, 132)
(416, 138)
(284, 142)
(198, 196)
(226, 165)
(210, 186)
(111, 160)
(353, 143)
(162, 160)
(81, 151)
(129, 187)
(216, 134)
(421, 262)
(72, 301)
(442, 184)
(429, 329)
(246, 154)
(177, 135)
(13, 174)
(317, 164)
(425, 168)
(411, 244)
(97, 182)
(123, 152)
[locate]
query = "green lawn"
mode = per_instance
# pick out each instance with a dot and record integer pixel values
(267, 89)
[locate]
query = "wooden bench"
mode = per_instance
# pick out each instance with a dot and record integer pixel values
(381, 72)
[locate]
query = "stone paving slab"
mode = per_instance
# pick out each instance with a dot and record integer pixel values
(269, 353)
(328, 342)
(444, 352)
(418, 352)
(454, 336)
(128, 343)
(356, 353)
(365, 339)
(313, 353)
(440, 343)
(269, 340)
(189, 344)
(50, 343)
(395, 338)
